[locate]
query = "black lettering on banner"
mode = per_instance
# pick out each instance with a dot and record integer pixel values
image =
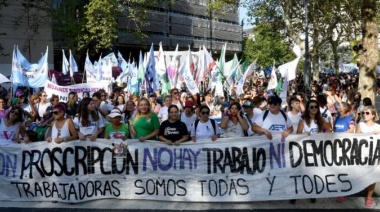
(161, 187)
(376, 155)
(72, 192)
(138, 186)
(57, 172)
(340, 176)
(327, 144)
(223, 187)
(98, 188)
(242, 185)
(216, 160)
(202, 181)
(127, 162)
(318, 190)
(214, 185)
(354, 152)
(258, 157)
(115, 185)
(80, 160)
(308, 154)
(337, 160)
(63, 188)
(47, 190)
(362, 143)
(181, 187)
(295, 182)
(328, 183)
(271, 183)
(236, 155)
(64, 167)
(232, 186)
(50, 159)
(305, 186)
(345, 149)
(244, 165)
(294, 163)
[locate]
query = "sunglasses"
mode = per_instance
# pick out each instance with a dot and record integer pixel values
(272, 103)
(205, 112)
(367, 113)
(313, 107)
(56, 112)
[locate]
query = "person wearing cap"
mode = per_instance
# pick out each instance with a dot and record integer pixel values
(249, 116)
(173, 131)
(233, 122)
(62, 129)
(115, 129)
(272, 121)
(188, 116)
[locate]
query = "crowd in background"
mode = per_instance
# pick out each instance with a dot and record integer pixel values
(331, 105)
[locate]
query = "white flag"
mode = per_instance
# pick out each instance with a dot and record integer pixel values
(65, 63)
(247, 74)
(73, 65)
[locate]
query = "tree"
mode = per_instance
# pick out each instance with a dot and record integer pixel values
(369, 56)
(267, 45)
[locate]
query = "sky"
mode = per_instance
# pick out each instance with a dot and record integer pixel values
(243, 15)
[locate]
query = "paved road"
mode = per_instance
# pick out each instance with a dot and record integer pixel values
(353, 203)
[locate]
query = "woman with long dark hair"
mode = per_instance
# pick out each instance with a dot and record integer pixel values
(11, 127)
(233, 122)
(312, 121)
(4, 109)
(88, 122)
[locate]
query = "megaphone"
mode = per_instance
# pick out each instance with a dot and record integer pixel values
(217, 101)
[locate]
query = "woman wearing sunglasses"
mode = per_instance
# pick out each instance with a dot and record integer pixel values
(11, 127)
(369, 116)
(312, 121)
(62, 129)
(204, 128)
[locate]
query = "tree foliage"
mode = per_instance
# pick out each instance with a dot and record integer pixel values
(268, 45)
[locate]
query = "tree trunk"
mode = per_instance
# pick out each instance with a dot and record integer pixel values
(334, 47)
(369, 56)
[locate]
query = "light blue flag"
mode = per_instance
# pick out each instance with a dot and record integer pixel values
(151, 73)
(99, 74)
(41, 76)
(17, 77)
(22, 61)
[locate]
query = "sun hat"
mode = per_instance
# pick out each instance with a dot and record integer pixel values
(114, 113)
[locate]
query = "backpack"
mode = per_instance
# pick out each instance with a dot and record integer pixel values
(212, 123)
(250, 124)
(324, 113)
(282, 112)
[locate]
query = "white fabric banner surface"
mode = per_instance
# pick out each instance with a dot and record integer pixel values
(229, 169)
(63, 91)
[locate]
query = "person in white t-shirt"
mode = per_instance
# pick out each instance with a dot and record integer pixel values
(203, 129)
(89, 123)
(163, 113)
(369, 126)
(188, 116)
(294, 112)
(276, 121)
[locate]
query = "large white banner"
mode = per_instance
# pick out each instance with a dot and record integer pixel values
(232, 170)
(63, 91)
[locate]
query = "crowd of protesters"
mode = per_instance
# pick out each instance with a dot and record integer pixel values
(331, 105)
